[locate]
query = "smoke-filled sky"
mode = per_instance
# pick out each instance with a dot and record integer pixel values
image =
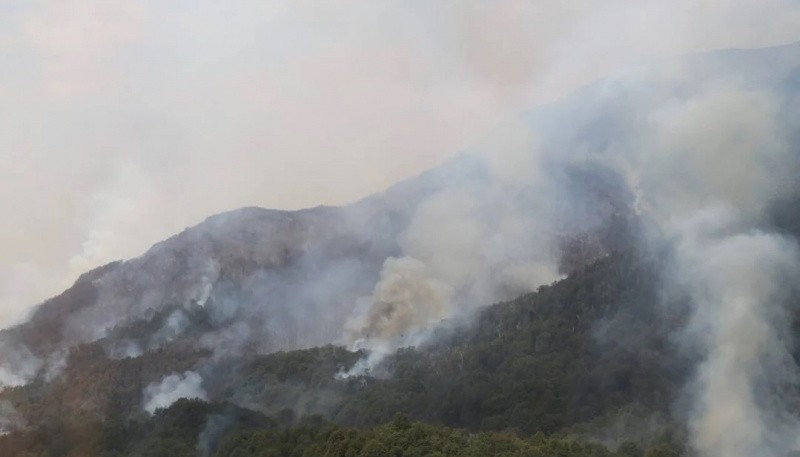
(123, 122)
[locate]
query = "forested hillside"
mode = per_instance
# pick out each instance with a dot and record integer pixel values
(576, 357)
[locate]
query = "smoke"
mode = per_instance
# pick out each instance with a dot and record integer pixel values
(125, 123)
(55, 364)
(124, 349)
(10, 420)
(723, 145)
(172, 388)
(739, 283)
(18, 365)
(216, 427)
(406, 302)
(713, 164)
(693, 142)
(487, 238)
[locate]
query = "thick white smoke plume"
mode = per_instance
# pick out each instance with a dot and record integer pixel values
(172, 388)
(715, 163)
(739, 282)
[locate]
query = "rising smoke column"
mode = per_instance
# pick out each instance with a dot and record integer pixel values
(404, 300)
(738, 283)
(405, 303)
(713, 164)
(471, 244)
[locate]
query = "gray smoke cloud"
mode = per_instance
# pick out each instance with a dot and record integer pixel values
(172, 388)
(739, 282)
(123, 123)
(737, 274)
(712, 164)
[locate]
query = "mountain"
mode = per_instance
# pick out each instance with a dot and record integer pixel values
(247, 280)
(541, 294)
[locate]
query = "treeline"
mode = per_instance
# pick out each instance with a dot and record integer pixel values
(192, 428)
(402, 438)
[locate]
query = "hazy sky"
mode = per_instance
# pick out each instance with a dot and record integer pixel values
(122, 122)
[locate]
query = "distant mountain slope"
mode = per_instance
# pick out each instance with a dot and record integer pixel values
(262, 280)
